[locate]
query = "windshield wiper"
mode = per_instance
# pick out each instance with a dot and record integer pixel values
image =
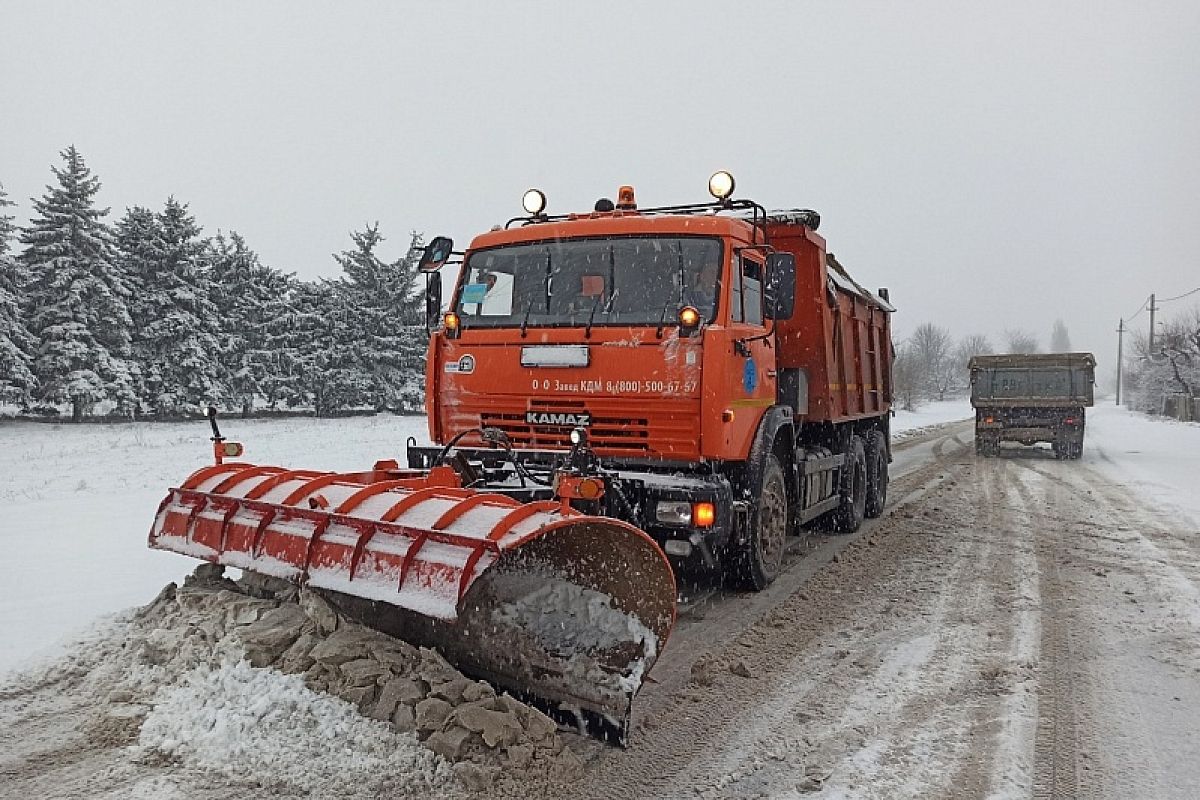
(532, 300)
(612, 298)
(662, 320)
(587, 331)
(525, 321)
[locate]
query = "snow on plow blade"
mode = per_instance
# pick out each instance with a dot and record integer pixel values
(536, 597)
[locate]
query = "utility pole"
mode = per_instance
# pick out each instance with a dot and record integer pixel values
(1152, 310)
(1120, 338)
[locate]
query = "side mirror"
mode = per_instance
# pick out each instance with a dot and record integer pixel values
(780, 291)
(436, 254)
(433, 299)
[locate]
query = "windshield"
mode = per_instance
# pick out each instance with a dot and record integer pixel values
(577, 282)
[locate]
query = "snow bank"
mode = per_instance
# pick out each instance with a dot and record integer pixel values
(930, 415)
(242, 721)
(1161, 456)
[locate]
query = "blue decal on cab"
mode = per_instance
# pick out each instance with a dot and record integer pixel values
(749, 376)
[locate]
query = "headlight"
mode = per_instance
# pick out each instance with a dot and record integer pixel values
(534, 202)
(673, 512)
(720, 185)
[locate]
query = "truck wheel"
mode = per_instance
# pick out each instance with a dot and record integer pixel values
(848, 517)
(877, 474)
(761, 555)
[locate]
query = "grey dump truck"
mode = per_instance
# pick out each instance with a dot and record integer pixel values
(1030, 399)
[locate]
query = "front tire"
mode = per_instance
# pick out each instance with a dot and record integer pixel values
(761, 556)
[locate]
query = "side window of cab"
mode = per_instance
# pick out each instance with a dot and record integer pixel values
(751, 291)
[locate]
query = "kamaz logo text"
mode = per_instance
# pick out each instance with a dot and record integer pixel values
(577, 420)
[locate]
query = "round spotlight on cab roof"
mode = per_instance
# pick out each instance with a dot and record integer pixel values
(720, 185)
(534, 202)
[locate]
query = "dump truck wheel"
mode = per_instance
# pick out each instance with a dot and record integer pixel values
(848, 517)
(761, 556)
(877, 474)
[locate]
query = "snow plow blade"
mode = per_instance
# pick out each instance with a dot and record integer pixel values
(535, 597)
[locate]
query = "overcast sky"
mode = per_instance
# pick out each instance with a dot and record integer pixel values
(995, 165)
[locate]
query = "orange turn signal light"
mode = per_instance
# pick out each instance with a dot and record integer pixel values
(232, 449)
(689, 317)
(704, 515)
(451, 321)
(590, 489)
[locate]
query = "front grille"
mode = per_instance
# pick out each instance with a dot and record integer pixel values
(646, 427)
(606, 432)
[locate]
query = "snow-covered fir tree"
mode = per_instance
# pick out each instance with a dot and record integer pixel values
(318, 339)
(176, 326)
(75, 298)
(389, 326)
(16, 344)
(250, 297)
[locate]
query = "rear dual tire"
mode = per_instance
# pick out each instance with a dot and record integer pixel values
(877, 474)
(848, 517)
(1070, 449)
(987, 444)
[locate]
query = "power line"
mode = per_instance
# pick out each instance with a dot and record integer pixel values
(1134, 315)
(1180, 297)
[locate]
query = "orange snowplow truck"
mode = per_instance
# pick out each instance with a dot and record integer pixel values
(615, 395)
(707, 373)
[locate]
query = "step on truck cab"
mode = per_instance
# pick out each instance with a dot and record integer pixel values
(708, 373)
(1031, 398)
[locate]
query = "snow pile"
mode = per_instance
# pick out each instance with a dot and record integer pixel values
(239, 721)
(363, 699)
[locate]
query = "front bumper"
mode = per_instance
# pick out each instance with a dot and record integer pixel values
(633, 489)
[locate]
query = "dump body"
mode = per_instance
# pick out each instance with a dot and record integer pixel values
(839, 341)
(1032, 398)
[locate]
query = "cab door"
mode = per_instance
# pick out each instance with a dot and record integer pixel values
(752, 378)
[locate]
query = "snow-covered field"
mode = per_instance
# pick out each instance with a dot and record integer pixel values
(78, 502)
